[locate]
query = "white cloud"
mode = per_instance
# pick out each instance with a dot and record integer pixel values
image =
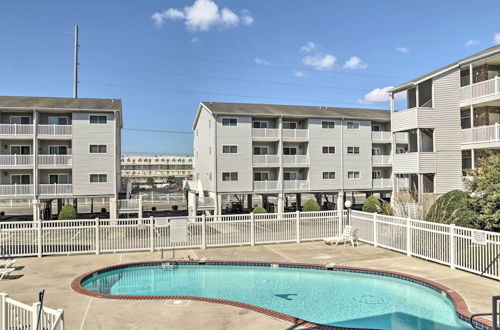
(299, 74)
(195, 40)
(403, 49)
(202, 15)
(380, 95)
(261, 61)
(355, 63)
(472, 42)
(320, 62)
(496, 38)
(308, 47)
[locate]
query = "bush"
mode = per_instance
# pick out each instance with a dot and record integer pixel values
(387, 208)
(372, 205)
(259, 210)
(68, 212)
(310, 206)
(453, 207)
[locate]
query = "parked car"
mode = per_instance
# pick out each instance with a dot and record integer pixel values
(234, 207)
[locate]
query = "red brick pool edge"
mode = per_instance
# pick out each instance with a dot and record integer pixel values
(458, 302)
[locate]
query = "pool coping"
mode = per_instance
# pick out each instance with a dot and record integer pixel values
(458, 301)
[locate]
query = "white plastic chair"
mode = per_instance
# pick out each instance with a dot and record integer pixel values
(5, 272)
(348, 235)
(7, 263)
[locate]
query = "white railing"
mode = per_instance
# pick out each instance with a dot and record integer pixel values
(15, 315)
(64, 237)
(296, 160)
(381, 136)
(458, 247)
(16, 160)
(55, 189)
(16, 189)
(57, 130)
(481, 134)
(54, 160)
(265, 133)
(381, 159)
(265, 185)
(205, 202)
(480, 89)
(298, 133)
(16, 129)
(295, 185)
(265, 159)
(129, 204)
(382, 183)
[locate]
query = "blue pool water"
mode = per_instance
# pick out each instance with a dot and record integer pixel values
(326, 297)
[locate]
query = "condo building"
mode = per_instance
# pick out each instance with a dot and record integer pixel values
(137, 169)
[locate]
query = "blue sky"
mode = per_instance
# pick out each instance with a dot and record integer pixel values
(163, 57)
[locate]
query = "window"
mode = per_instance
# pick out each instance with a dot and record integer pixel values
(352, 125)
(328, 150)
(20, 179)
(353, 175)
(20, 120)
(58, 120)
(289, 125)
(260, 124)
(229, 149)
(229, 176)
(329, 175)
(328, 124)
(353, 150)
(260, 150)
(58, 150)
(261, 176)
(376, 128)
(376, 151)
(289, 150)
(229, 122)
(95, 178)
(58, 178)
(290, 176)
(98, 148)
(376, 174)
(97, 119)
(20, 150)
(401, 150)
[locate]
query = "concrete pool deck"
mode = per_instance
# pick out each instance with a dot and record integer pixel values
(55, 274)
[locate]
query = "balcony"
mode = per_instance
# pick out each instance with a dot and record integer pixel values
(295, 185)
(381, 136)
(266, 160)
(16, 160)
(481, 134)
(483, 91)
(54, 160)
(421, 117)
(54, 130)
(55, 189)
(382, 183)
(297, 134)
(265, 134)
(265, 186)
(16, 129)
(381, 160)
(17, 190)
(414, 162)
(296, 160)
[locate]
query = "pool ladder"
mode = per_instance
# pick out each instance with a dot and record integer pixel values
(495, 315)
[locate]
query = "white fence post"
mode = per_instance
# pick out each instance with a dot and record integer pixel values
(453, 260)
(39, 237)
(297, 224)
(34, 315)
(151, 233)
(252, 229)
(97, 236)
(203, 231)
(3, 315)
(375, 238)
(408, 237)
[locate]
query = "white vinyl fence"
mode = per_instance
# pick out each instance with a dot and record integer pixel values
(458, 247)
(15, 315)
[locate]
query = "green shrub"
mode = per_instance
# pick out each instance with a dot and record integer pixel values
(259, 210)
(372, 205)
(452, 207)
(68, 212)
(310, 206)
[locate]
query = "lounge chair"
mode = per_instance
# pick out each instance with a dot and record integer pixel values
(5, 272)
(348, 235)
(7, 263)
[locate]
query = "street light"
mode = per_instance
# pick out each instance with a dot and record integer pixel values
(348, 205)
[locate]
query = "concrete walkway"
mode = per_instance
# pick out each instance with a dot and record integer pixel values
(54, 274)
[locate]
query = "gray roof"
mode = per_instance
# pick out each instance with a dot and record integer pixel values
(60, 103)
(251, 109)
(475, 56)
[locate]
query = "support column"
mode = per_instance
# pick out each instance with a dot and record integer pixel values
(36, 209)
(264, 201)
(75, 204)
(340, 202)
(471, 116)
(281, 203)
(420, 188)
(218, 197)
(113, 214)
(298, 199)
(473, 158)
(59, 205)
(192, 204)
(249, 202)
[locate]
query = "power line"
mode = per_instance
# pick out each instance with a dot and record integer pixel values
(156, 131)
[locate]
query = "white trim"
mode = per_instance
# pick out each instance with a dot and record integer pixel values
(260, 172)
(12, 174)
(229, 145)
(353, 153)
(99, 182)
(334, 174)
(58, 174)
(222, 121)
(290, 122)
(98, 144)
(290, 147)
(348, 178)
(57, 145)
(296, 173)
(260, 121)
(261, 147)
(98, 115)
(328, 121)
(329, 153)
(230, 180)
(56, 116)
(20, 145)
(377, 171)
(353, 122)
(379, 151)
(20, 116)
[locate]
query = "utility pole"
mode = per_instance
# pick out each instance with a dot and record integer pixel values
(75, 65)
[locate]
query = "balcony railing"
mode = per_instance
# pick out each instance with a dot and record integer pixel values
(16, 129)
(381, 159)
(55, 189)
(16, 160)
(298, 160)
(296, 134)
(265, 185)
(265, 133)
(54, 130)
(16, 190)
(484, 88)
(382, 183)
(54, 160)
(481, 134)
(266, 160)
(295, 185)
(205, 202)
(381, 136)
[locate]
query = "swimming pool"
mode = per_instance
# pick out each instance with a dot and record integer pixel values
(344, 297)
